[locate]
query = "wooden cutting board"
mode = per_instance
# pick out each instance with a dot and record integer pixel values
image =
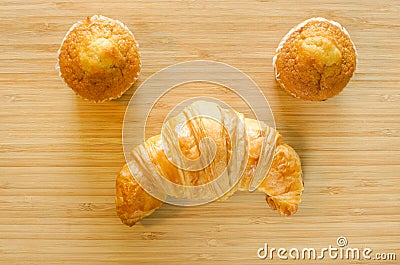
(60, 155)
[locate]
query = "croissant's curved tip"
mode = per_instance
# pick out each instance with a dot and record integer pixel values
(283, 184)
(129, 222)
(284, 208)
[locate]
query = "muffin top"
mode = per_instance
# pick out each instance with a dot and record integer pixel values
(315, 60)
(99, 58)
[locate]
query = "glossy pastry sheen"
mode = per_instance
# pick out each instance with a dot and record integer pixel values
(282, 183)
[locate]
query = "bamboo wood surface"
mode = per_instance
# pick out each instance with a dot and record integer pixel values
(60, 155)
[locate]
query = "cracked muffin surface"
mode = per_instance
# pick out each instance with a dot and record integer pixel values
(99, 58)
(315, 60)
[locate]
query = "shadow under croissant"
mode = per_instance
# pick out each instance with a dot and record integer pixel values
(283, 187)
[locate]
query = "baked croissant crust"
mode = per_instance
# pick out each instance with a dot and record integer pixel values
(281, 180)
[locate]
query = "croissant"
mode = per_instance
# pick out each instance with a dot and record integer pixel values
(181, 164)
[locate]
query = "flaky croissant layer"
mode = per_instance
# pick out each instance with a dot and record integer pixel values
(282, 181)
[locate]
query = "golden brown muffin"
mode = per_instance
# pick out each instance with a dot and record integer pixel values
(99, 58)
(315, 60)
